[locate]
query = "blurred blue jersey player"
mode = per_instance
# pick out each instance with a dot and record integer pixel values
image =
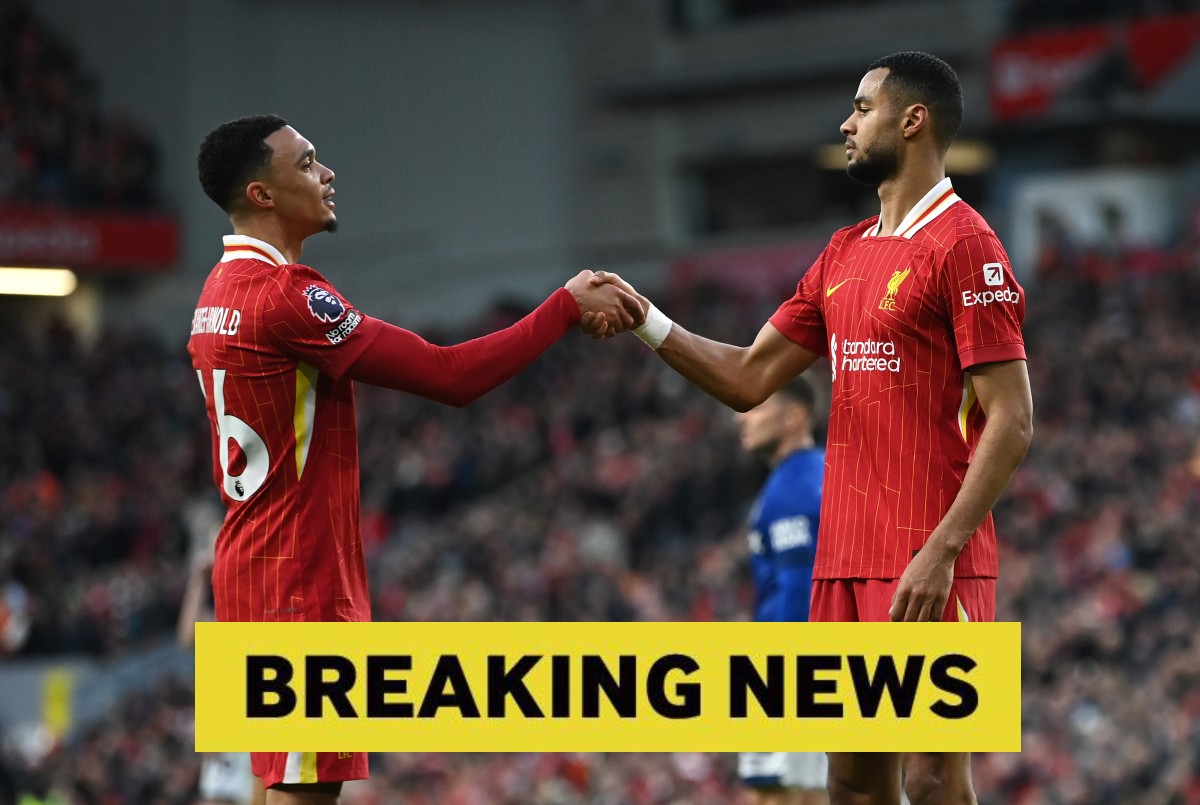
(783, 542)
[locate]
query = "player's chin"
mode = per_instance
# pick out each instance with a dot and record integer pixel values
(331, 224)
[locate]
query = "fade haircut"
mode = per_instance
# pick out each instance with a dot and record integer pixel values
(915, 77)
(232, 154)
(799, 390)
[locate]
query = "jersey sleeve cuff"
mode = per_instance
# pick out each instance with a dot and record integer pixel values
(802, 336)
(995, 353)
(563, 301)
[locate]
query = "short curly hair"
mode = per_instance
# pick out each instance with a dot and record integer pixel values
(915, 77)
(234, 153)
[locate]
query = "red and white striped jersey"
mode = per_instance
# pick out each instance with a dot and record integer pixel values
(901, 319)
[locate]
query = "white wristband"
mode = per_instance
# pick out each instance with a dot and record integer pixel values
(655, 329)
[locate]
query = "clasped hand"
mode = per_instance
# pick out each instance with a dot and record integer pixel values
(609, 306)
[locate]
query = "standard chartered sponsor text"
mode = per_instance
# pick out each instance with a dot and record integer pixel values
(868, 356)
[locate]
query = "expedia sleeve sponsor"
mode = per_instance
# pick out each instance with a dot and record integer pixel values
(985, 298)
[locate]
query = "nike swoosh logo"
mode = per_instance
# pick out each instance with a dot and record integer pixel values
(829, 291)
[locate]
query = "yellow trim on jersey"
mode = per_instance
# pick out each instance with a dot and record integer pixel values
(962, 611)
(306, 408)
(308, 767)
(968, 402)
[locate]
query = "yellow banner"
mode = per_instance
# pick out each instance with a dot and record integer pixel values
(608, 687)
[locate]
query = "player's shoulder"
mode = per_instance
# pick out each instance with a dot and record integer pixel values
(301, 270)
(297, 280)
(853, 232)
(803, 462)
(968, 220)
(305, 292)
(959, 222)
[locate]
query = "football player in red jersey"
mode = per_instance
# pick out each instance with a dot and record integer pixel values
(276, 348)
(920, 316)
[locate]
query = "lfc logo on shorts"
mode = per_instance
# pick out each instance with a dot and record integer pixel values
(888, 302)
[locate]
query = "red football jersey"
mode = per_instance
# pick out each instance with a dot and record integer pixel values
(270, 343)
(901, 318)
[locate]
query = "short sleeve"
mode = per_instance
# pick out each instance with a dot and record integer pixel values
(985, 303)
(802, 318)
(310, 321)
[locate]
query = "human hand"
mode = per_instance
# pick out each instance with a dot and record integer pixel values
(606, 308)
(924, 587)
(599, 278)
(657, 326)
(594, 325)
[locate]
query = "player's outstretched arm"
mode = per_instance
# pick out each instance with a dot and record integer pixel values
(456, 375)
(1004, 394)
(740, 377)
(192, 609)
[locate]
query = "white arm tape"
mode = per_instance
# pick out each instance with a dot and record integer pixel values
(655, 329)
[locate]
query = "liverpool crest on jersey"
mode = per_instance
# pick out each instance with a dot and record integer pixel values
(888, 302)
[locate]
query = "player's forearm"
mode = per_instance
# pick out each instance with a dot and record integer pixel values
(1002, 447)
(740, 377)
(711, 366)
(456, 375)
(192, 606)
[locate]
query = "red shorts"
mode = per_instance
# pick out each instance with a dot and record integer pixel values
(868, 600)
(308, 767)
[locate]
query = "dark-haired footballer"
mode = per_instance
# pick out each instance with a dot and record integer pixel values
(276, 348)
(920, 316)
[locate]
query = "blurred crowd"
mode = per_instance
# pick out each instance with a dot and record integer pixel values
(598, 486)
(103, 446)
(142, 756)
(57, 148)
(1099, 529)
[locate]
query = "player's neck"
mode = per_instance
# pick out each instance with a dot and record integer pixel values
(789, 446)
(268, 230)
(897, 196)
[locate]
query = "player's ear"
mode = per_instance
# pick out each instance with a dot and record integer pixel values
(914, 120)
(797, 416)
(259, 196)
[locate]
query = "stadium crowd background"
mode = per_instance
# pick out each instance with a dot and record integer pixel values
(57, 146)
(595, 486)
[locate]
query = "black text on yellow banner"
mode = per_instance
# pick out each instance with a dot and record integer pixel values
(608, 687)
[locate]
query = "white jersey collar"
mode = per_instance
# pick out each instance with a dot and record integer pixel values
(934, 203)
(243, 247)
